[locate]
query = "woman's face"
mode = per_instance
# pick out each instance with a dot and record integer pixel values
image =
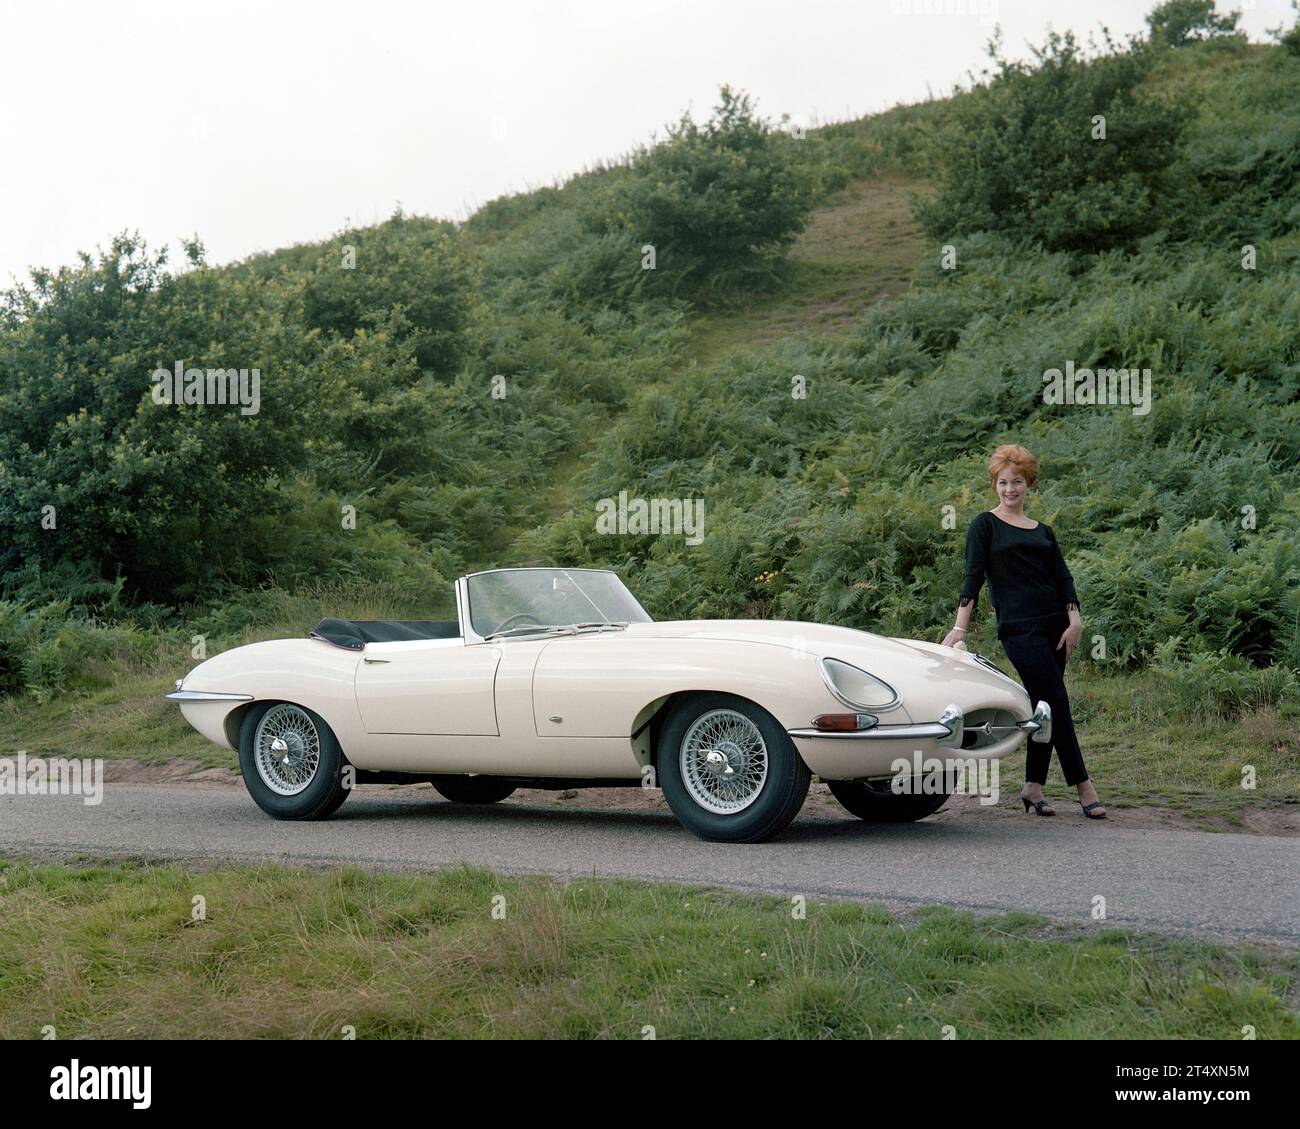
(1011, 487)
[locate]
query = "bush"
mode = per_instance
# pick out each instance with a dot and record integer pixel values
(1020, 156)
(47, 649)
(1211, 684)
(93, 469)
(720, 202)
(405, 276)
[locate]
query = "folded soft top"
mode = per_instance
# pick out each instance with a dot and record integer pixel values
(354, 634)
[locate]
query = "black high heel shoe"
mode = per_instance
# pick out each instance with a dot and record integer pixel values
(1039, 805)
(1087, 809)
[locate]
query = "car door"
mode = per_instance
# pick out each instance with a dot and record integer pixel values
(436, 687)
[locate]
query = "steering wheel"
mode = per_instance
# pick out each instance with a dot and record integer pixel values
(510, 619)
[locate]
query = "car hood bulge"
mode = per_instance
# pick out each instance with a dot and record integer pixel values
(927, 675)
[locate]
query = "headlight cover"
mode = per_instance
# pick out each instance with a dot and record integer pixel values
(856, 688)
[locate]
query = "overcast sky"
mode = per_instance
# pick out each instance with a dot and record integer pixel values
(260, 124)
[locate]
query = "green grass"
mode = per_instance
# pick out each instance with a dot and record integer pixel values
(129, 720)
(1143, 749)
(116, 953)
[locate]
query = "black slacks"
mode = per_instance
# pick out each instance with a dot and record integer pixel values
(1031, 647)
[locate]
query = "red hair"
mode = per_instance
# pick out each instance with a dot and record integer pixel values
(1014, 457)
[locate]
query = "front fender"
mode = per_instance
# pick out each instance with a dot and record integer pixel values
(307, 672)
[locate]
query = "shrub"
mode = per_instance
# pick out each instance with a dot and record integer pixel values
(720, 202)
(1211, 684)
(1021, 156)
(406, 276)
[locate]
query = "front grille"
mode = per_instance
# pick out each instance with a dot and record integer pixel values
(973, 740)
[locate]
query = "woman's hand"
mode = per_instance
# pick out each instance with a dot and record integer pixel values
(1070, 638)
(955, 636)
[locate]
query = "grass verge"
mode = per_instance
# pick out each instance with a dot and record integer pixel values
(465, 953)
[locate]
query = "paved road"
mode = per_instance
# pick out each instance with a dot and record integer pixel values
(1189, 883)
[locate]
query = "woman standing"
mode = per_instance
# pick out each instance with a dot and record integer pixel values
(1033, 596)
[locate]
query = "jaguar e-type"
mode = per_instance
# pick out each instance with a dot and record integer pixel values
(557, 678)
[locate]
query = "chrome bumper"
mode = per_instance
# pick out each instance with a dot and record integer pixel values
(947, 731)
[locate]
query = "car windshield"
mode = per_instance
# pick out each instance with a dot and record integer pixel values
(517, 600)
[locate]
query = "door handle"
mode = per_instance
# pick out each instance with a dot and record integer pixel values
(376, 660)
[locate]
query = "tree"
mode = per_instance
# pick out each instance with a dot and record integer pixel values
(94, 469)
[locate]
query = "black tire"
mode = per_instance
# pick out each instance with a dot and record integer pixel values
(876, 802)
(328, 786)
(473, 789)
(774, 802)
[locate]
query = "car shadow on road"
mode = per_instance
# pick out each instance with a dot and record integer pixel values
(444, 811)
(423, 809)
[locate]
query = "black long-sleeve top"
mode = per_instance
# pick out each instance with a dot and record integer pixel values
(1027, 575)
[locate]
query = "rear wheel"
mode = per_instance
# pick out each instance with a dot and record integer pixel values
(291, 761)
(473, 789)
(876, 802)
(729, 772)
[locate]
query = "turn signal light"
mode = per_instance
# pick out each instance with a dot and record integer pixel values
(843, 722)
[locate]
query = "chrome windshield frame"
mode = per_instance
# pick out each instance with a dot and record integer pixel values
(467, 631)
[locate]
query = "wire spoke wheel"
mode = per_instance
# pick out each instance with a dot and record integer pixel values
(286, 749)
(724, 761)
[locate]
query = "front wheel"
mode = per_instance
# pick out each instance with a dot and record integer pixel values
(729, 772)
(876, 802)
(291, 761)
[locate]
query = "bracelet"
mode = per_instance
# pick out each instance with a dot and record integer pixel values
(961, 629)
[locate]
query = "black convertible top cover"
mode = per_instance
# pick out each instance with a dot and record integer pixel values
(354, 634)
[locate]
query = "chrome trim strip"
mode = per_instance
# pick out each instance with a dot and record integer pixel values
(205, 696)
(467, 631)
(1041, 720)
(538, 568)
(878, 732)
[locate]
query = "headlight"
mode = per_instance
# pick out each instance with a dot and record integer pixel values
(856, 688)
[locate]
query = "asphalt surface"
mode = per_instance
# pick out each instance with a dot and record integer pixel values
(1178, 882)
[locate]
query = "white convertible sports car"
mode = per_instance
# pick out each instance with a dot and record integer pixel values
(557, 678)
